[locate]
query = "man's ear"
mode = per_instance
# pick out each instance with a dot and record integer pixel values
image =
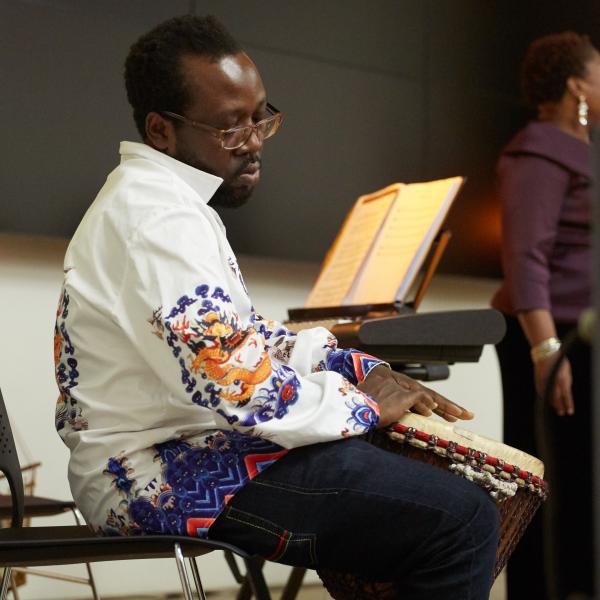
(160, 133)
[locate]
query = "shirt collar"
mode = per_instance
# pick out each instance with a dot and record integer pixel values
(204, 184)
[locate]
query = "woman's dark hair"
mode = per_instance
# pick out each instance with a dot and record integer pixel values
(153, 75)
(549, 62)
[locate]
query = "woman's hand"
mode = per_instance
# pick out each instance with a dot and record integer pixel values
(561, 398)
(396, 394)
(538, 326)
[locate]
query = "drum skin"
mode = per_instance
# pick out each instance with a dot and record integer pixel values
(447, 446)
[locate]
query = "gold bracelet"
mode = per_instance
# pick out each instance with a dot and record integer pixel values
(544, 349)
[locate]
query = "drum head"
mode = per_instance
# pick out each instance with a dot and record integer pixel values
(456, 433)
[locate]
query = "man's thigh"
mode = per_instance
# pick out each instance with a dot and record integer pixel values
(347, 505)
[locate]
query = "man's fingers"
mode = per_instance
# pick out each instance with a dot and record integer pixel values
(432, 402)
(452, 409)
(416, 400)
(446, 416)
(425, 407)
(397, 393)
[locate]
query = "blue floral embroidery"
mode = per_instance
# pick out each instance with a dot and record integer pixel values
(237, 273)
(364, 413)
(274, 401)
(202, 291)
(181, 307)
(117, 467)
(352, 364)
(195, 481)
(219, 294)
(66, 372)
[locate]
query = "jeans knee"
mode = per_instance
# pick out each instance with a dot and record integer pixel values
(485, 523)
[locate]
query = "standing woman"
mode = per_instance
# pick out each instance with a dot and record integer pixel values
(544, 179)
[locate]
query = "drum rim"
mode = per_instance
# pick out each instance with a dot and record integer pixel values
(477, 457)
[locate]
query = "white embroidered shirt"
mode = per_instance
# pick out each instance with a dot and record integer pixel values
(174, 392)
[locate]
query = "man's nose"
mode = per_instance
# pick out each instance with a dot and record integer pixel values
(252, 145)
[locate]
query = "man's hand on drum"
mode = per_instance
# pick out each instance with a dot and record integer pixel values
(396, 394)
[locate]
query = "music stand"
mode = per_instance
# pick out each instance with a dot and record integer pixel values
(376, 310)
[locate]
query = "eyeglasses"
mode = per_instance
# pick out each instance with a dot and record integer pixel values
(234, 138)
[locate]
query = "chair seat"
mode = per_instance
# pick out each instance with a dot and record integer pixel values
(36, 506)
(29, 546)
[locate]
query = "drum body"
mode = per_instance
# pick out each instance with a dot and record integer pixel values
(513, 478)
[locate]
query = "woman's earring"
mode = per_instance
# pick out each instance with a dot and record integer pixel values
(582, 111)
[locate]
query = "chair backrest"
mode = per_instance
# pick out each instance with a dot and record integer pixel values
(10, 467)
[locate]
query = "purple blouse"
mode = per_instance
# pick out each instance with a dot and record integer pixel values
(544, 177)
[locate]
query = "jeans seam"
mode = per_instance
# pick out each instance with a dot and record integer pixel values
(298, 490)
(285, 547)
(289, 536)
(233, 518)
(228, 515)
(291, 540)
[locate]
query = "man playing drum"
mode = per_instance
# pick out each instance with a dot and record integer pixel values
(187, 412)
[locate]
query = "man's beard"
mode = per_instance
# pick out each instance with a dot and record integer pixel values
(226, 196)
(230, 197)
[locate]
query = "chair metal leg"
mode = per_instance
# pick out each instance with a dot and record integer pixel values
(254, 574)
(294, 583)
(197, 580)
(14, 589)
(92, 582)
(233, 566)
(245, 591)
(5, 581)
(78, 516)
(185, 582)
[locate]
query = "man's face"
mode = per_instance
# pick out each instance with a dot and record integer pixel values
(225, 93)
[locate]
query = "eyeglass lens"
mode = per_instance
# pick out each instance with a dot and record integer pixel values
(264, 129)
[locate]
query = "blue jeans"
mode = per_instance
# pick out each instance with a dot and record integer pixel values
(351, 507)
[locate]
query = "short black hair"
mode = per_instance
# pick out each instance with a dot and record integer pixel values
(153, 75)
(550, 61)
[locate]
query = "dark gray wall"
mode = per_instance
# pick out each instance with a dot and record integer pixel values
(373, 93)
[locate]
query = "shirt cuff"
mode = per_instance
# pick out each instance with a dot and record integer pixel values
(352, 364)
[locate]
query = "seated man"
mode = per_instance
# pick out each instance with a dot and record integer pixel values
(188, 413)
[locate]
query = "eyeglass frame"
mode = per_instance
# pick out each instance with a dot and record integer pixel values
(221, 133)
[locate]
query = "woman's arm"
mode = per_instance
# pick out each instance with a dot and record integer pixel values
(538, 326)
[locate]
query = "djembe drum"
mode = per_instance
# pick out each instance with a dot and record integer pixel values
(513, 478)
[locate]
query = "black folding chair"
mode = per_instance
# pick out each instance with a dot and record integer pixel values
(40, 546)
(40, 506)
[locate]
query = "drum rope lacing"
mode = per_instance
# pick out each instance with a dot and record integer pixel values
(501, 479)
(499, 490)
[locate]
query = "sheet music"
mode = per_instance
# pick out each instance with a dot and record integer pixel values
(351, 248)
(400, 249)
